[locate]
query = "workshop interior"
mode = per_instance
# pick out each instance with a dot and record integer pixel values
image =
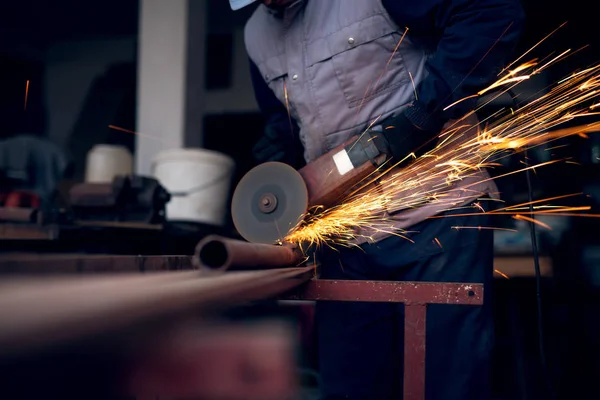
(146, 254)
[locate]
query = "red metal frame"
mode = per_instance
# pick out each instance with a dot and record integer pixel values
(415, 296)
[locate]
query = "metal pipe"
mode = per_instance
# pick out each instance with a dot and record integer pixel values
(38, 312)
(219, 253)
(26, 264)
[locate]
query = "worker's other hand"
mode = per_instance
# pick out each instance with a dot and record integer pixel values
(278, 144)
(269, 147)
(413, 131)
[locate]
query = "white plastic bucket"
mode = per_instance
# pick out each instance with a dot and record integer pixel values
(105, 161)
(199, 181)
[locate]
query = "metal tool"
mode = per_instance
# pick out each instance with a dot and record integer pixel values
(269, 201)
(273, 198)
(125, 199)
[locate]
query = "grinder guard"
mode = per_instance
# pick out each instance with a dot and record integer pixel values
(268, 202)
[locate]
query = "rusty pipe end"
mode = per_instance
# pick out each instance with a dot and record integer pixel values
(212, 254)
(218, 253)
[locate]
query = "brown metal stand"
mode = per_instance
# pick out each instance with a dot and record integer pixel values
(415, 296)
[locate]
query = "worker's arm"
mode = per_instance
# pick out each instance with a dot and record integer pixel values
(280, 141)
(472, 40)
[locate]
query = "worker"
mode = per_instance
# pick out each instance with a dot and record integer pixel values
(326, 70)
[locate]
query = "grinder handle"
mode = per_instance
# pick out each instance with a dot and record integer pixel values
(334, 174)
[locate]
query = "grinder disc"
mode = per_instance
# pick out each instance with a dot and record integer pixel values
(268, 202)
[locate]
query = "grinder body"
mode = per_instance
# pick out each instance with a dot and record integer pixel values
(331, 176)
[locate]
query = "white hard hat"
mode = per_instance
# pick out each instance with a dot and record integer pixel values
(237, 4)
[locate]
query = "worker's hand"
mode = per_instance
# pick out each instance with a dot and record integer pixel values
(278, 145)
(411, 132)
(269, 147)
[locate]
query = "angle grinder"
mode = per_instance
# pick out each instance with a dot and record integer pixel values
(273, 198)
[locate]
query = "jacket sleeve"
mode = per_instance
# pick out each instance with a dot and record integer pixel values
(473, 41)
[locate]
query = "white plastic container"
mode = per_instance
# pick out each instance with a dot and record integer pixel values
(199, 181)
(105, 161)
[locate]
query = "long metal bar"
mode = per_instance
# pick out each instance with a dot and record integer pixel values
(42, 311)
(395, 292)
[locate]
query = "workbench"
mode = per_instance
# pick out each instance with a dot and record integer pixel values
(80, 299)
(150, 288)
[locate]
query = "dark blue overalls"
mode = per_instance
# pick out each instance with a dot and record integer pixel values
(361, 344)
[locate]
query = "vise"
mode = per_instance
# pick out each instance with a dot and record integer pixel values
(125, 199)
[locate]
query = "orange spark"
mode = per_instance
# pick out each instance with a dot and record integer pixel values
(477, 205)
(26, 94)
(531, 49)
(532, 220)
(556, 147)
(563, 209)
(557, 213)
(462, 150)
(478, 62)
(438, 242)
(460, 101)
(547, 200)
(287, 104)
(118, 128)
(501, 274)
(413, 84)
(374, 87)
(391, 57)
(484, 228)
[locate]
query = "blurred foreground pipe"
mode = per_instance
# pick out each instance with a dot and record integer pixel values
(220, 253)
(48, 310)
